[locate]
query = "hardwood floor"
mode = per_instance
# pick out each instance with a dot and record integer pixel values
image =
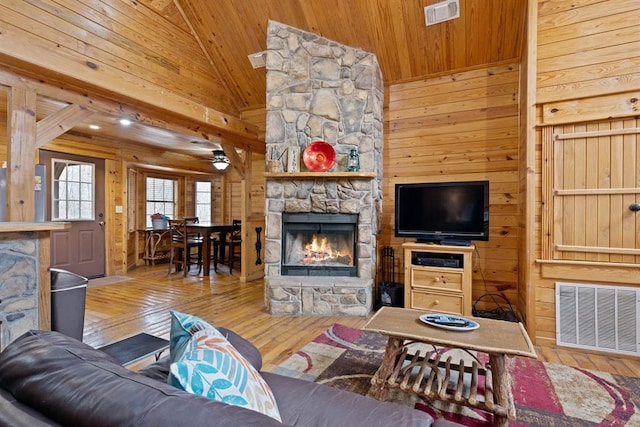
(142, 304)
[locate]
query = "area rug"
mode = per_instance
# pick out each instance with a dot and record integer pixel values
(545, 394)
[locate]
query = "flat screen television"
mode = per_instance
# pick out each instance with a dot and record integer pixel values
(452, 213)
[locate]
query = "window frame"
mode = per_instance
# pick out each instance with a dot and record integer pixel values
(56, 198)
(154, 209)
(196, 203)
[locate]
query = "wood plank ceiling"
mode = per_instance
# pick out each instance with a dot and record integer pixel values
(488, 31)
(227, 31)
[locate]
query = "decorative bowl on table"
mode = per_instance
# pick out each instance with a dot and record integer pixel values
(319, 156)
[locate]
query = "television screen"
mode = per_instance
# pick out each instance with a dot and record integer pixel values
(443, 212)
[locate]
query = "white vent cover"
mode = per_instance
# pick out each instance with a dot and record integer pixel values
(440, 12)
(598, 317)
(259, 59)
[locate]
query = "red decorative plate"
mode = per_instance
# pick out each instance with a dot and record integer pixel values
(319, 156)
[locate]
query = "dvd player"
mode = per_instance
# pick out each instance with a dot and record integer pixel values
(437, 262)
(438, 259)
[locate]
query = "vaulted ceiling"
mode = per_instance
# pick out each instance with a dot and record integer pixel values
(198, 50)
(487, 31)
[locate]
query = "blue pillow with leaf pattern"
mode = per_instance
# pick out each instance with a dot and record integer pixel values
(211, 367)
(183, 326)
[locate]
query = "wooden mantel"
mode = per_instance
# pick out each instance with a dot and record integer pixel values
(320, 175)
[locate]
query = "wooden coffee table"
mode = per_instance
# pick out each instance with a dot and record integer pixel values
(428, 376)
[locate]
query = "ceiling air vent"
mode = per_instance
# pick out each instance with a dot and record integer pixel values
(259, 59)
(443, 11)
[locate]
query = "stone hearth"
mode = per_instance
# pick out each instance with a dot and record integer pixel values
(318, 89)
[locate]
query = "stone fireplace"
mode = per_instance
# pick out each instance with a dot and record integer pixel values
(320, 237)
(318, 244)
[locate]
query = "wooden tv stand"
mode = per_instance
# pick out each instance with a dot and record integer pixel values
(438, 277)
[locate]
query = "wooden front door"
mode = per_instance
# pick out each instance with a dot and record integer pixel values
(76, 194)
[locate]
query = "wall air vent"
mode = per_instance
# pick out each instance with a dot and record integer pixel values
(443, 11)
(598, 317)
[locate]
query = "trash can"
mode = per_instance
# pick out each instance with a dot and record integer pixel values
(68, 296)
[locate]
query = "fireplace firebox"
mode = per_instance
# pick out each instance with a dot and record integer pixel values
(319, 244)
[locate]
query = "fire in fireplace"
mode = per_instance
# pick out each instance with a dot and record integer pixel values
(319, 244)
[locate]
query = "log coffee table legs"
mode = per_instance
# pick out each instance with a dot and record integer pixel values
(399, 367)
(391, 353)
(501, 391)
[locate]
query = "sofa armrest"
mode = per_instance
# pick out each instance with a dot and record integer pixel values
(15, 414)
(73, 384)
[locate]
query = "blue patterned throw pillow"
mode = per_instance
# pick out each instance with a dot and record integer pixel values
(211, 367)
(183, 326)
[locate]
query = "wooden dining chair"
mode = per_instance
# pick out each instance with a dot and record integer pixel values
(228, 251)
(182, 243)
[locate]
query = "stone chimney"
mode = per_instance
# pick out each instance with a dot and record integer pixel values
(320, 90)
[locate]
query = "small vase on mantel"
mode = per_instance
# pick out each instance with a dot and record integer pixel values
(353, 161)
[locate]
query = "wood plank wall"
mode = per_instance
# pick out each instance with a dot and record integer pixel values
(588, 69)
(459, 127)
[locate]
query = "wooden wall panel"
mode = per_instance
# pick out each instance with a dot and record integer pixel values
(253, 199)
(588, 49)
(587, 68)
(459, 127)
(595, 182)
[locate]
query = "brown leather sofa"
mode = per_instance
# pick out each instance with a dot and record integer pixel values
(47, 378)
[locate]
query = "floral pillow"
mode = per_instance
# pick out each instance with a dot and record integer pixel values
(211, 367)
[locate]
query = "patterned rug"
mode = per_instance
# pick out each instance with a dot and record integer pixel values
(545, 394)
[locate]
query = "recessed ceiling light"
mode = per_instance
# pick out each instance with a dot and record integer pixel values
(94, 127)
(124, 122)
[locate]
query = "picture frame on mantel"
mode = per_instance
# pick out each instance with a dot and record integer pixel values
(293, 159)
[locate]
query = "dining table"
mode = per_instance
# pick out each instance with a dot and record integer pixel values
(206, 229)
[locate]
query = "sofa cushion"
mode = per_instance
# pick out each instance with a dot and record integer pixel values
(211, 367)
(299, 403)
(71, 383)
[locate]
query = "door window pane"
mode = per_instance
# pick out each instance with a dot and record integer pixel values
(73, 195)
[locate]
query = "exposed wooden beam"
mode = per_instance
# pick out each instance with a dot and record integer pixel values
(236, 161)
(21, 149)
(60, 122)
(197, 120)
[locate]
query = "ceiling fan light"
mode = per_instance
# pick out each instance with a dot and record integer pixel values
(220, 160)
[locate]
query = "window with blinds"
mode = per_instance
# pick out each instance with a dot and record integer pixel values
(161, 197)
(203, 201)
